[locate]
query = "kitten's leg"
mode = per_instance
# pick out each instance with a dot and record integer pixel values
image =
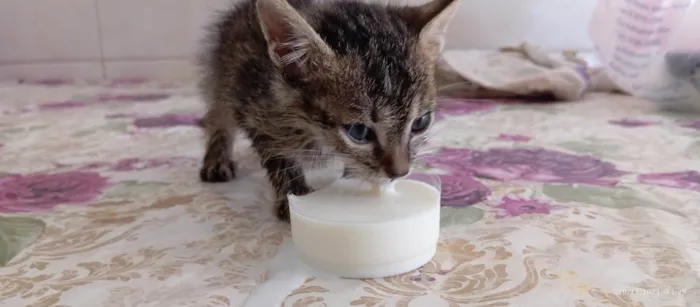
(286, 176)
(218, 165)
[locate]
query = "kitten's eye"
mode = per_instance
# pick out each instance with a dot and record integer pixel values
(360, 133)
(421, 124)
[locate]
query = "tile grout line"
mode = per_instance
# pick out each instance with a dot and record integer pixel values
(99, 35)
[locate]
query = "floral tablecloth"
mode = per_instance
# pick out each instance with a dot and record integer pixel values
(591, 203)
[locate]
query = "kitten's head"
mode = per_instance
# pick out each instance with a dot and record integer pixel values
(362, 76)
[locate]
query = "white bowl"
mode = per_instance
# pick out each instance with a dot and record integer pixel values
(350, 232)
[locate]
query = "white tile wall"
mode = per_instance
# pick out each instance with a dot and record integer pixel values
(93, 39)
(88, 70)
(151, 68)
(159, 28)
(41, 31)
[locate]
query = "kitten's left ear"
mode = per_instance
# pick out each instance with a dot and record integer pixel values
(432, 19)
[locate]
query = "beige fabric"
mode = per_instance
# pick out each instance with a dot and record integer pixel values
(523, 71)
(591, 203)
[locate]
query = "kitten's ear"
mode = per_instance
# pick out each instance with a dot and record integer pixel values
(293, 45)
(432, 19)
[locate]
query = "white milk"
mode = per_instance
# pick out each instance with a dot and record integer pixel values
(353, 232)
(285, 274)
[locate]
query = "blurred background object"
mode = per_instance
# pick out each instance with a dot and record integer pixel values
(107, 39)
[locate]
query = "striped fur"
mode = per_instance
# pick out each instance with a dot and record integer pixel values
(291, 76)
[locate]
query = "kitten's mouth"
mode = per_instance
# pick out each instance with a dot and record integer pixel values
(373, 178)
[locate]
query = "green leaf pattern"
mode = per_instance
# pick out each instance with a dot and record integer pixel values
(620, 197)
(16, 234)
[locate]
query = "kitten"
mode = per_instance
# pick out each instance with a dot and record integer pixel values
(311, 81)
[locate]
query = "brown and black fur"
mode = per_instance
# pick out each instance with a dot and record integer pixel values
(291, 76)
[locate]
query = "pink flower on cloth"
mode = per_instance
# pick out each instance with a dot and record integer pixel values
(691, 124)
(459, 189)
(631, 122)
(147, 97)
(65, 104)
(515, 206)
(450, 157)
(105, 99)
(528, 164)
(138, 164)
(168, 120)
(41, 191)
(48, 81)
(119, 115)
(462, 190)
(122, 82)
(513, 137)
(689, 180)
(462, 107)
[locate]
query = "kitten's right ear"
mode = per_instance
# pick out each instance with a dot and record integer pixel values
(293, 45)
(432, 19)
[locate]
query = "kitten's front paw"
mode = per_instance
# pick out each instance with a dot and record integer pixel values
(282, 210)
(219, 171)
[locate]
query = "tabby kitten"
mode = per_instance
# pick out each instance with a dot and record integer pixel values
(307, 81)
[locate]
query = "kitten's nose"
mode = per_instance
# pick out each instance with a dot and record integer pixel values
(396, 165)
(396, 173)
